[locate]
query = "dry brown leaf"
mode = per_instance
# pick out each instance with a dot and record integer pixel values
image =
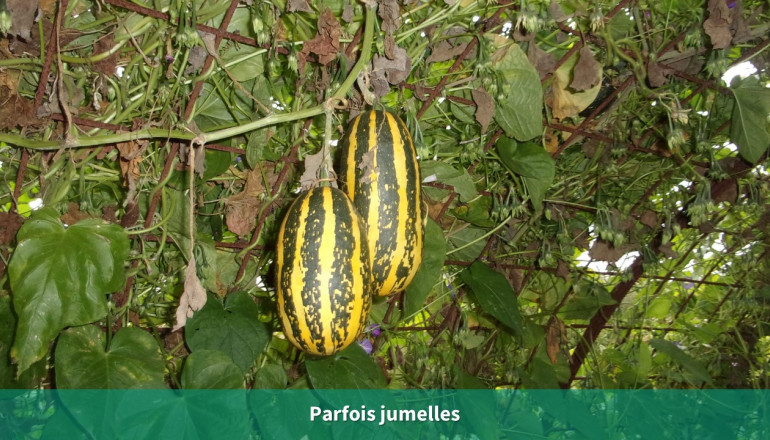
(650, 219)
(298, 6)
(667, 250)
(562, 270)
(587, 73)
(485, 108)
(396, 69)
(23, 13)
(347, 14)
(724, 191)
(370, 171)
(326, 44)
(242, 209)
(563, 100)
(556, 334)
(542, 60)
(717, 26)
(312, 173)
(605, 251)
(551, 140)
(193, 297)
(656, 75)
(109, 64)
(390, 13)
(444, 51)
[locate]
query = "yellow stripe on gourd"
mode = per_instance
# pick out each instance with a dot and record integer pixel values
(298, 275)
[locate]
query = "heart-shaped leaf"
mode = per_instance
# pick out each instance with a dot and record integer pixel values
(520, 104)
(351, 369)
(211, 369)
(494, 294)
(749, 129)
(60, 277)
(233, 328)
(132, 360)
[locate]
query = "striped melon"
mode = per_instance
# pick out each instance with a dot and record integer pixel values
(379, 172)
(323, 275)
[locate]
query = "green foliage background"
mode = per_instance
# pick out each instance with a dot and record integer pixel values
(596, 193)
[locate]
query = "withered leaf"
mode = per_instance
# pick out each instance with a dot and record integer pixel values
(717, 26)
(444, 51)
(298, 6)
(310, 176)
(650, 219)
(724, 191)
(556, 333)
(23, 13)
(130, 157)
(396, 70)
(193, 297)
(390, 13)
(241, 209)
(605, 251)
(542, 60)
(587, 73)
(370, 171)
(667, 250)
(564, 101)
(347, 14)
(485, 107)
(326, 44)
(562, 270)
(655, 74)
(557, 13)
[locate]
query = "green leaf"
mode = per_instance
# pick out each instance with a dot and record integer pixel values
(750, 130)
(586, 303)
(211, 369)
(351, 368)
(232, 328)
(434, 254)
(520, 104)
(696, 369)
(246, 62)
(494, 294)
(270, 376)
(476, 212)
(444, 173)
(532, 162)
(60, 278)
(132, 360)
(528, 159)
(31, 376)
(217, 162)
(466, 244)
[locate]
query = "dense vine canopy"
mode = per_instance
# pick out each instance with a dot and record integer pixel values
(594, 173)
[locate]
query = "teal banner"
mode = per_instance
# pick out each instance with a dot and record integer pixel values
(384, 414)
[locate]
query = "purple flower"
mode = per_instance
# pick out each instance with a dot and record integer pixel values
(366, 344)
(375, 329)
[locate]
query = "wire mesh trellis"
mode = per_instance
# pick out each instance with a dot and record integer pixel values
(616, 316)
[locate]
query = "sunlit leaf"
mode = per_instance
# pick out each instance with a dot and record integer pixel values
(132, 359)
(60, 277)
(520, 103)
(749, 129)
